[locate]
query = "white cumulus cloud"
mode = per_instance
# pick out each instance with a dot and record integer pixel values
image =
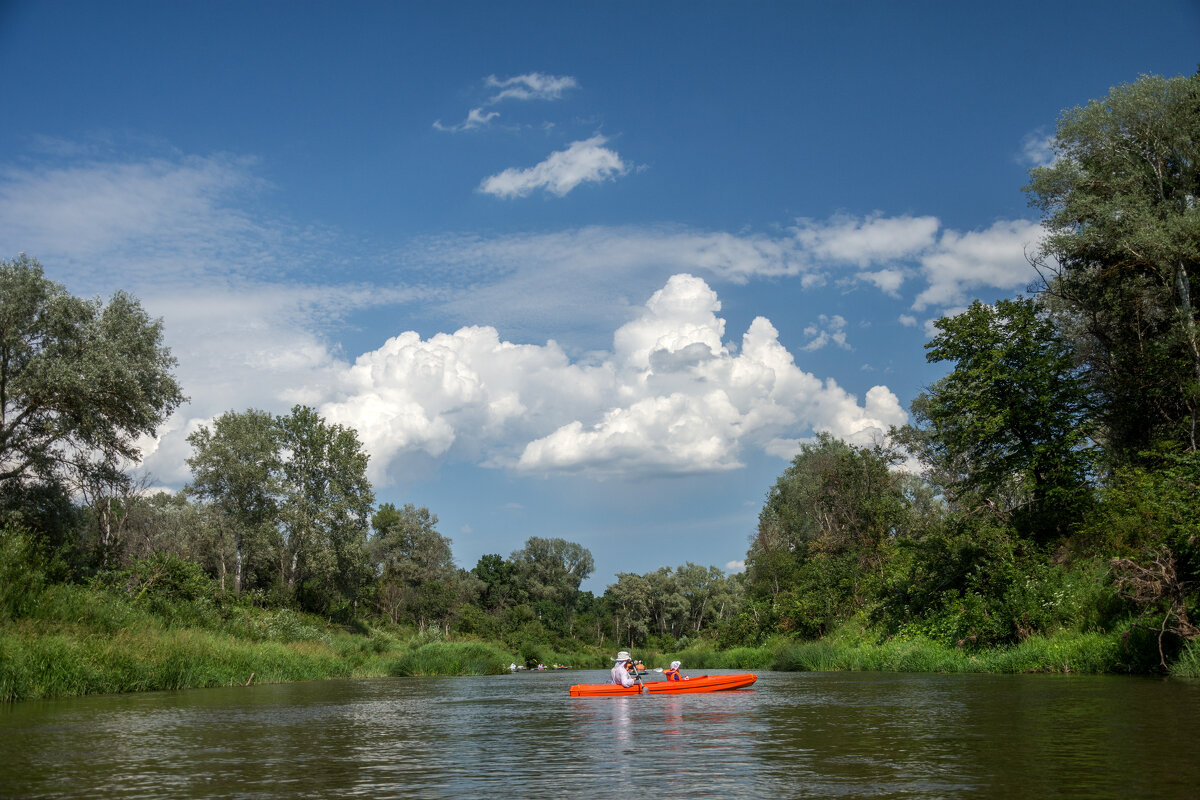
(671, 397)
(586, 161)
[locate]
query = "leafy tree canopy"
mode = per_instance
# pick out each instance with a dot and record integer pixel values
(80, 381)
(1120, 202)
(1009, 420)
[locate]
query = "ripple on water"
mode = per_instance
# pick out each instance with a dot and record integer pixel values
(791, 735)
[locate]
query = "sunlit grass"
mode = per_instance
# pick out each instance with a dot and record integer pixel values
(75, 640)
(1187, 663)
(451, 658)
(1065, 652)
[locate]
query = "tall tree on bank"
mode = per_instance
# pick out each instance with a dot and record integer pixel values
(551, 570)
(414, 564)
(80, 382)
(822, 534)
(1121, 203)
(296, 492)
(325, 506)
(235, 467)
(1008, 423)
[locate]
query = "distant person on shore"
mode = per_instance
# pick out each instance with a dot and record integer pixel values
(620, 671)
(672, 673)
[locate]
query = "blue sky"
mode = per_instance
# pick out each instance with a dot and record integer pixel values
(591, 271)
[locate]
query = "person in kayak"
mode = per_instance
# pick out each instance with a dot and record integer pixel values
(672, 674)
(620, 671)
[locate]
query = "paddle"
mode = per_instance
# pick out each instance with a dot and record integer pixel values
(638, 677)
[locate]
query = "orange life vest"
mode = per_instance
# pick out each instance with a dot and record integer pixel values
(671, 674)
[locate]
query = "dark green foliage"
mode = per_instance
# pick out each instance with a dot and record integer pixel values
(22, 576)
(1008, 423)
(1123, 254)
(825, 531)
(293, 505)
(169, 587)
(499, 578)
(451, 658)
(1145, 508)
(417, 581)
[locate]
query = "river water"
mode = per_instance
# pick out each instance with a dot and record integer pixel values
(791, 735)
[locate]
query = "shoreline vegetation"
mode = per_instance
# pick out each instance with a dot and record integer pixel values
(79, 640)
(1053, 525)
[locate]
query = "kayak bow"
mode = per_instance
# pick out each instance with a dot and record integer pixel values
(706, 683)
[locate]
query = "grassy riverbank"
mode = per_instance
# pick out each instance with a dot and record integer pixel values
(166, 629)
(87, 642)
(77, 640)
(852, 648)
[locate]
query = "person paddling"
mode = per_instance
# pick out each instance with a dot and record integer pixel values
(620, 671)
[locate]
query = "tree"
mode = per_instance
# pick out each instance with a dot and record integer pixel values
(498, 577)
(708, 592)
(80, 382)
(236, 467)
(325, 503)
(552, 570)
(1122, 253)
(822, 533)
(629, 599)
(415, 565)
(1009, 420)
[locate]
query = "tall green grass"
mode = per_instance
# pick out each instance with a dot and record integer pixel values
(451, 658)
(69, 640)
(1065, 652)
(705, 655)
(1187, 663)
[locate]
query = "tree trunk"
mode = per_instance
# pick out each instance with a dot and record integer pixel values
(1182, 284)
(239, 544)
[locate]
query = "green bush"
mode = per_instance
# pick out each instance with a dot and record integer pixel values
(21, 574)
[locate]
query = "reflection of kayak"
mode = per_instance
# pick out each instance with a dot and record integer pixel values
(704, 683)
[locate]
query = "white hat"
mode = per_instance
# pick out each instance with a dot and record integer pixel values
(674, 665)
(622, 656)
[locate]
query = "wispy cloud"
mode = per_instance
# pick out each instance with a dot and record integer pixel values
(476, 118)
(530, 86)
(826, 330)
(158, 209)
(865, 241)
(1037, 149)
(590, 276)
(587, 161)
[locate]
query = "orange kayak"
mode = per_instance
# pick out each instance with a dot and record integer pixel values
(704, 683)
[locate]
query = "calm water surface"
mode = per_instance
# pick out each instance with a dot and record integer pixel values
(791, 735)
